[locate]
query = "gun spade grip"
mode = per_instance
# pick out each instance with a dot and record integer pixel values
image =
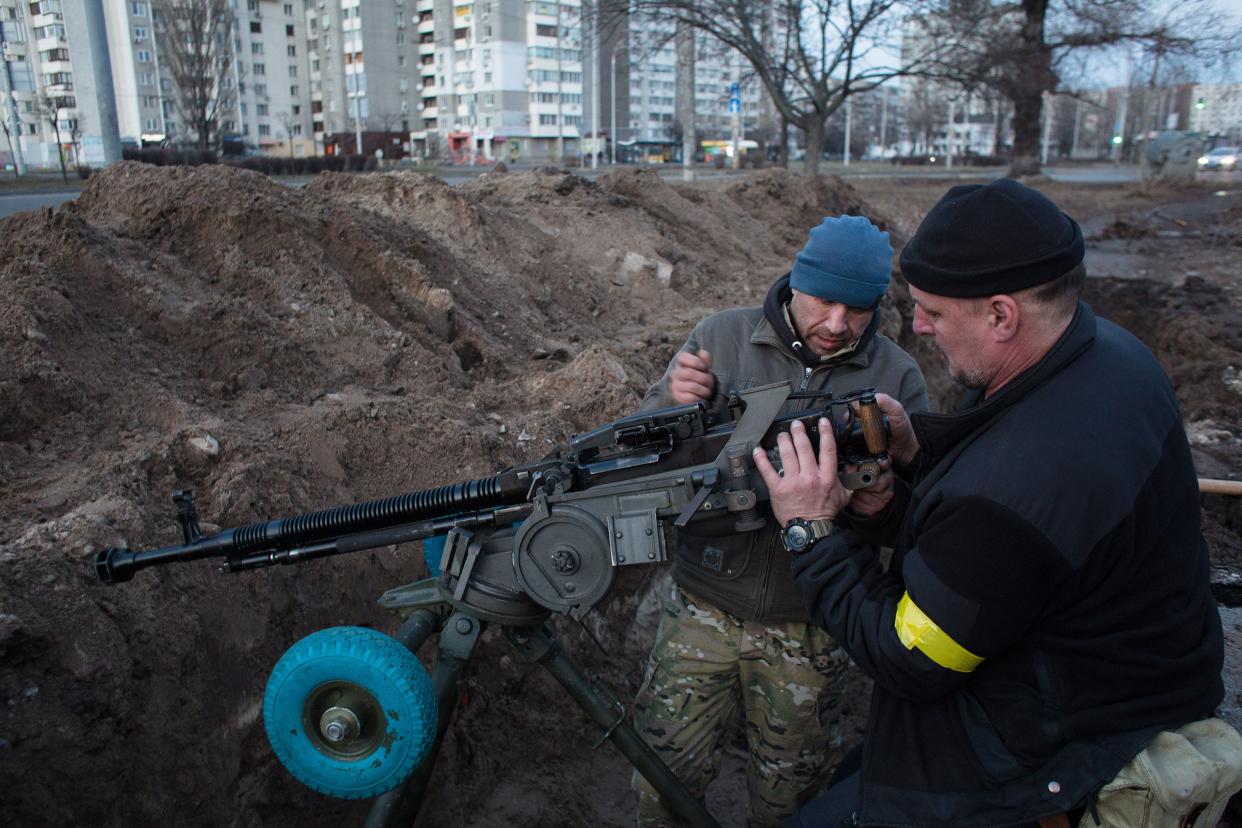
(874, 432)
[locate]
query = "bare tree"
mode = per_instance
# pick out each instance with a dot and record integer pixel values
(287, 122)
(47, 109)
(810, 55)
(1021, 48)
(196, 53)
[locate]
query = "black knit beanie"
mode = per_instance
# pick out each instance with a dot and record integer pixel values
(981, 240)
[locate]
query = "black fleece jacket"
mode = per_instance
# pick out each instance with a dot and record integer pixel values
(1047, 610)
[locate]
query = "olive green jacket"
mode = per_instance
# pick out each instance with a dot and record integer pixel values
(748, 574)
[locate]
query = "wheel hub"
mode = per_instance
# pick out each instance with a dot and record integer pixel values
(344, 721)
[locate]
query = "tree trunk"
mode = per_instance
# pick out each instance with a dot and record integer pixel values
(1027, 109)
(784, 157)
(814, 144)
(60, 150)
(1027, 90)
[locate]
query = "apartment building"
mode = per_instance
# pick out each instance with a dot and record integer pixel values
(1217, 111)
(140, 107)
(645, 69)
(362, 58)
(271, 73)
(498, 79)
(48, 75)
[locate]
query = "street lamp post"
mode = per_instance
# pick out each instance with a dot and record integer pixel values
(612, 128)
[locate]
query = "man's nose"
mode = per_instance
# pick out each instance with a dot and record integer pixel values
(921, 324)
(834, 320)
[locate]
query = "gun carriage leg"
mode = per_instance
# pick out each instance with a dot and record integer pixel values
(537, 645)
(458, 636)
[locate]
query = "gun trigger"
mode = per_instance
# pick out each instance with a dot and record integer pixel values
(704, 492)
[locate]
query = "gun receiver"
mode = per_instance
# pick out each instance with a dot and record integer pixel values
(548, 535)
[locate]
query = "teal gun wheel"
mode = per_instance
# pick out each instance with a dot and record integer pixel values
(350, 712)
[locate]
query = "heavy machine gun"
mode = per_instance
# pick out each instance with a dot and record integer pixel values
(352, 713)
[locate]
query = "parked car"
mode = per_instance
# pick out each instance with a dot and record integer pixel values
(1221, 158)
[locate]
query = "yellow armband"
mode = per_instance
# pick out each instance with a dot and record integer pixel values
(915, 629)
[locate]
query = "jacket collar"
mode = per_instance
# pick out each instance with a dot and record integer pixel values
(774, 329)
(938, 434)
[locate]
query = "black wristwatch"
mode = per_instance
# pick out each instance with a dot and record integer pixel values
(800, 535)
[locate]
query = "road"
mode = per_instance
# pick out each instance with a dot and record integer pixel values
(20, 202)
(11, 203)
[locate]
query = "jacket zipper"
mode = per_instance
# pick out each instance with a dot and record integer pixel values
(764, 596)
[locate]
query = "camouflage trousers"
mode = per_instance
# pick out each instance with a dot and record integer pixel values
(790, 678)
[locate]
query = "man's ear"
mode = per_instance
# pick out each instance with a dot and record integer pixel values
(1004, 314)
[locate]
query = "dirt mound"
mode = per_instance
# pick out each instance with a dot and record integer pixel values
(277, 350)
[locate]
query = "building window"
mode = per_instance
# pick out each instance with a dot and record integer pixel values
(140, 33)
(260, 109)
(293, 91)
(293, 71)
(547, 120)
(291, 50)
(260, 89)
(265, 130)
(138, 9)
(256, 48)
(544, 30)
(151, 125)
(289, 12)
(260, 69)
(256, 27)
(289, 30)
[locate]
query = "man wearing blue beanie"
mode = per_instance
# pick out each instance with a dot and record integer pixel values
(734, 625)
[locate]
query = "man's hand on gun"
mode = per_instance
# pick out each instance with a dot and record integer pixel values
(808, 486)
(691, 379)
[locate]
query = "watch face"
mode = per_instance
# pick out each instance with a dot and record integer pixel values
(797, 535)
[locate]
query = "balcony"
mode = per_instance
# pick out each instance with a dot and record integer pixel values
(47, 44)
(425, 26)
(427, 48)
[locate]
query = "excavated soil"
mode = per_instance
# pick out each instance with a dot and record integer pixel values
(280, 350)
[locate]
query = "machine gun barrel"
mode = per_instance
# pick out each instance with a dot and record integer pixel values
(316, 534)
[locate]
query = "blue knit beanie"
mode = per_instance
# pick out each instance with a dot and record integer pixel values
(846, 259)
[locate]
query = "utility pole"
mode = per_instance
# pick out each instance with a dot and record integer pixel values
(612, 97)
(948, 149)
(560, 118)
(1077, 125)
(883, 120)
(357, 117)
(735, 106)
(845, 154)
(1047, 103)
(684, 39)
(1119, 133)
(595, 86)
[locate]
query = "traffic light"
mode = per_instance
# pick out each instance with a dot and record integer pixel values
(1117, 139)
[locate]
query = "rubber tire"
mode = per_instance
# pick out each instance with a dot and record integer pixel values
(385, 668)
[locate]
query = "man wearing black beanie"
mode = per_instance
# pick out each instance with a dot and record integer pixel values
(1044, 641)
